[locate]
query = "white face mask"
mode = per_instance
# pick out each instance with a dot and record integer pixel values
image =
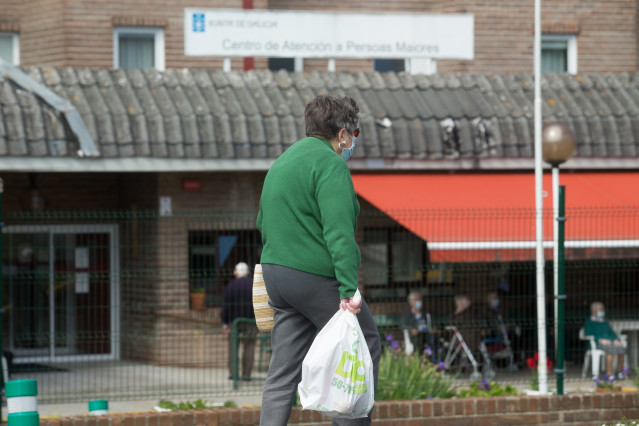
(601, 314)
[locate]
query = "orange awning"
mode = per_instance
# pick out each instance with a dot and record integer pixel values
(496, 212)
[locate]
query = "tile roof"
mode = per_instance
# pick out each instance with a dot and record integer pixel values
(211, 114)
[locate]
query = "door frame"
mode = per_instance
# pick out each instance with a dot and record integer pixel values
(114, 273)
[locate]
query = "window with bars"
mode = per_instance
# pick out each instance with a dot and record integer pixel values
(558, 54)
(392, 261)
(213, 256)
(387, 65)
(9, 48)
(138, 48)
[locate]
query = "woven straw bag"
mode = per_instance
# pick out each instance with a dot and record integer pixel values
(263, 312)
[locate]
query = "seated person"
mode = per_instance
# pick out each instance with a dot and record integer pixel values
(495, 325)
(417, 321)
(469, 322)
(605, 337)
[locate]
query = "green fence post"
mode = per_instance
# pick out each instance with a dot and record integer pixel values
(234, 338)
(561, 297)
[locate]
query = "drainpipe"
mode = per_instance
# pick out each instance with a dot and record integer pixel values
(249, 63)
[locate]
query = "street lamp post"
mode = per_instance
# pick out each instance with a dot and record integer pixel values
(558, 146)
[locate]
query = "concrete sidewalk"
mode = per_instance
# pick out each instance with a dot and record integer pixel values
(76, 409)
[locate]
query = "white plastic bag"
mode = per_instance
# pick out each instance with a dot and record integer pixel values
(337, 373)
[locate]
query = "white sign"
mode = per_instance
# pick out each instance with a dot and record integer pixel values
(166, 208)
(81, 282)
(82, 257)
(268, 33)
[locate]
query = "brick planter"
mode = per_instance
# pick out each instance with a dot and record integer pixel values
(586, 409)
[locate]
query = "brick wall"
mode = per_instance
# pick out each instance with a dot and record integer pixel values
(586, 409)
(606, 30)
(62, 191)
(61, 33)
(176, 327)
(10, 18)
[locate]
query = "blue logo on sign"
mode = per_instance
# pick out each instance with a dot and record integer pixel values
(198, 23)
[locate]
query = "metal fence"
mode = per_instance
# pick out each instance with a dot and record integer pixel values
(108, 303)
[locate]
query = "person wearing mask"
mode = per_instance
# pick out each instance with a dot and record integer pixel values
(310, 260)
(469, 322)
(417, 322)
(606, 338)
(238, 303)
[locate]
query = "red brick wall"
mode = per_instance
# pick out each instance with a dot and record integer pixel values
(62, 191)
(606, 30)
(584, 410)
(80, 34)
(10, 17)
(60, 33)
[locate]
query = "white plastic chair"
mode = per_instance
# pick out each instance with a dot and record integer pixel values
(5, 369)
(408, 345)
(409, 348)
(596, 354)
(591, 352)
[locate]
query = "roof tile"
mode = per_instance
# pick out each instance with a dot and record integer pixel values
(257, 114)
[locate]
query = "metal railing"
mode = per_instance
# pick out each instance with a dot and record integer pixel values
(104, 303)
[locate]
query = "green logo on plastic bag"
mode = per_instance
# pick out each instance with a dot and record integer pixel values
(353, 375)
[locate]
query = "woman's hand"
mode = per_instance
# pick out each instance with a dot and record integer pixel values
(351, 306)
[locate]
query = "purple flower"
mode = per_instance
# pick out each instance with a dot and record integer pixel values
(610, 378)
(625, 371)
(441, 366)
(389, 338)
(428, 351)
(430, 397)
(484, 384)
(395, 345)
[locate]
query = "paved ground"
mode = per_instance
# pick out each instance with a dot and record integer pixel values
(131, 387)
(73, 409)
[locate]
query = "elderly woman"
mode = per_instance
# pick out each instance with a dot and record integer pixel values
(310, 260)
(606, 338)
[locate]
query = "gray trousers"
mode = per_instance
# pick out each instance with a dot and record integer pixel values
(303, 304)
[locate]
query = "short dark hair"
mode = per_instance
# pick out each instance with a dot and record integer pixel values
(326, 115)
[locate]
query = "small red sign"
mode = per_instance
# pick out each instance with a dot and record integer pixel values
(191, 185)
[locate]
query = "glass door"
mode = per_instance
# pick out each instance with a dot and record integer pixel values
(82, 300)
(62, 291)
(25, 259)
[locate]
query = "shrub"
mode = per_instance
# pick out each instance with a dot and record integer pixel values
(410, 377)
(487, 388)
(192, 405)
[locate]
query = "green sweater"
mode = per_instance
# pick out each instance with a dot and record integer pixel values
(599, 330)
(308, 214)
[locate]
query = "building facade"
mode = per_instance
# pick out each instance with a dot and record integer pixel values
(167, 202)
(578, 36)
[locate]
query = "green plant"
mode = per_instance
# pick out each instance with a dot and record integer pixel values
(607, 383)
(623, 422)
(198, 290)
(410, 377)
(487, 388)
(190, 405)
(636, 379)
